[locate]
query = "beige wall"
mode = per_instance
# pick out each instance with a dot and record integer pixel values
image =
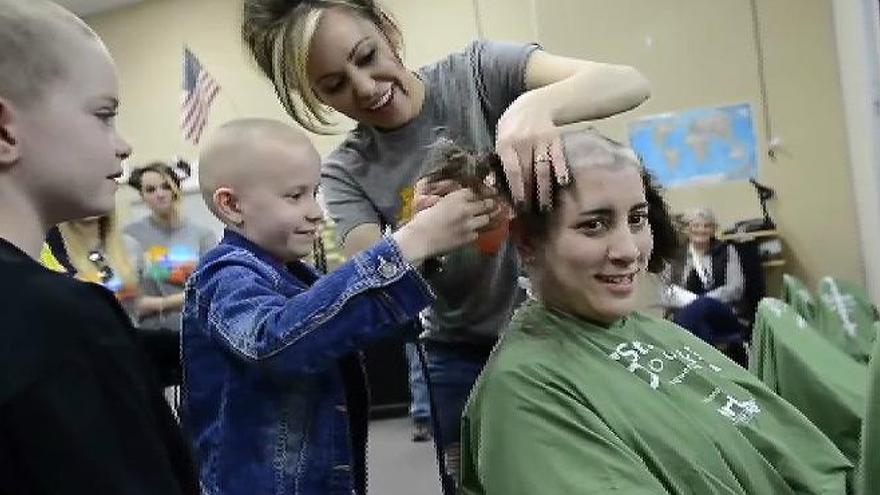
(699, 53)
(812, 175)
(858, 49)
(696, 53)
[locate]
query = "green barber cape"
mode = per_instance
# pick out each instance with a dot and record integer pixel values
(822, 381)
(566, 407)
(869, 469)
(798, 296)
(846, 316)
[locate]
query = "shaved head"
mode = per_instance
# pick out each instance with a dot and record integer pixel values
(236, 155)
(584, 149)
(34, 36)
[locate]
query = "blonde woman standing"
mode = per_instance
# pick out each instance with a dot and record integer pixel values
(511, 98)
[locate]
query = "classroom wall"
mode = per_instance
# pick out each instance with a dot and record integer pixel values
(695, 53)
(858, 49)
(699, 53)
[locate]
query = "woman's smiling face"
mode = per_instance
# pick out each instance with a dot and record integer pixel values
(598, 246)
(353, 69)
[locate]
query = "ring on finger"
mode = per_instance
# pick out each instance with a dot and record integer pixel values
(543, 159)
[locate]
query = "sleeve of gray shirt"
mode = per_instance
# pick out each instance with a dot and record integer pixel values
(135, 253)
(733, 287)
(503, 72)
(347, 204)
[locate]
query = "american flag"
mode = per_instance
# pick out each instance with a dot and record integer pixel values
(199, 90)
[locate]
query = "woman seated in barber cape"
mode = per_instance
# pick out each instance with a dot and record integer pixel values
(585, 395)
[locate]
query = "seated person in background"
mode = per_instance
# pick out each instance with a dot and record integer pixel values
(51, 250)
(95, 251)
(274, 392)
(583, 395)
(705, 286)
(168, 246)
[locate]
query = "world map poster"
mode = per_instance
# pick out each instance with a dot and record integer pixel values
(698, 146)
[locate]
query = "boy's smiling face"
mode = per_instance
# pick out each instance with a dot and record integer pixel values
(70, 152)
(279, 207)
(260, 177)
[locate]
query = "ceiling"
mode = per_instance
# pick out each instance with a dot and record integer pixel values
(88, 7)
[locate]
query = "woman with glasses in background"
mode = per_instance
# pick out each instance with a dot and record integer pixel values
(95, 251)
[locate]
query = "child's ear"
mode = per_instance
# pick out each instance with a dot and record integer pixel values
(227, 205)
(10, 151)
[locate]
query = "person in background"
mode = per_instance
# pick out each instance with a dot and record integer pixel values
(95, 251)
(346, 56)
(168, 246)
(419, 401)
(705, 287)
(48, 253)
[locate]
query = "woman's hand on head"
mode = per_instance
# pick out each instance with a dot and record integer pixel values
(530, 147)
(453, 221)
(560, 91)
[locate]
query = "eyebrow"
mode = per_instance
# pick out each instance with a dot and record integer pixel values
(111, 100)
(610, 211)
(356, 46)
(299, 187)
(351, 56)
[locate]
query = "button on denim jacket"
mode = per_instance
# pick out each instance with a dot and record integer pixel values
(274, 395)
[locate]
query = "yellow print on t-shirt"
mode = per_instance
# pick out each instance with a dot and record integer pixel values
(406, 205)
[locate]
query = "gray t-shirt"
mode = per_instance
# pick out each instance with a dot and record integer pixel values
(165, 258)
(369, 178)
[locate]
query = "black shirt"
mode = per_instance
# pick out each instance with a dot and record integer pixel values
(80, 410)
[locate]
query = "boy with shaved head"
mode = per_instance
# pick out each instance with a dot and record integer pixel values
(79, 408)
(274, 391)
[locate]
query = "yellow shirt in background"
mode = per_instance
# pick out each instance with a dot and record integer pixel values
(48, 259)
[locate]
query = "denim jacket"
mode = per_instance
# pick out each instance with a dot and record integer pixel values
(274, 392)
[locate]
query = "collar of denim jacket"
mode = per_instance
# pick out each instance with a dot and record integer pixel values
(298, 271)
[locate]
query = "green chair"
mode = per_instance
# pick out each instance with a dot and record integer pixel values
(846, 316)
(823, 382)
(799, 297)
(869, 468)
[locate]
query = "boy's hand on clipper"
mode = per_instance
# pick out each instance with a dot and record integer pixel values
(453, 221)
(427, 193)
(501, 212)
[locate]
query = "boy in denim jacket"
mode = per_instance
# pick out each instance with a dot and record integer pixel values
(274, 390)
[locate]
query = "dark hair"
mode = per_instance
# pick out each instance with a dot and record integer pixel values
(181, 170)
(447, 160)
